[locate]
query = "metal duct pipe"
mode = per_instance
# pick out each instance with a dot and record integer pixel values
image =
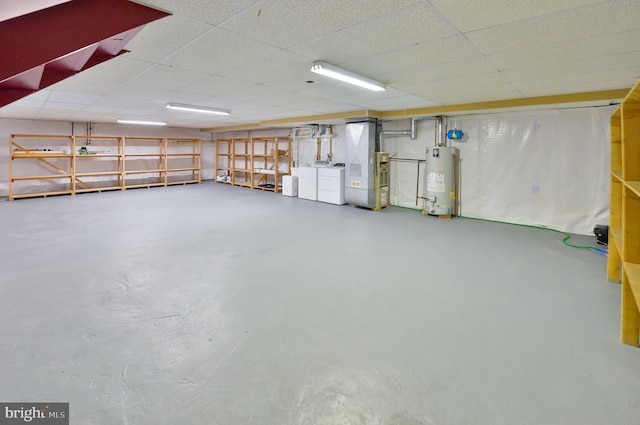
(441, 137)
(413, 133)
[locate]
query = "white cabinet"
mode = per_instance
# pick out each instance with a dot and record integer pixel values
(331, 185)
(307, 182)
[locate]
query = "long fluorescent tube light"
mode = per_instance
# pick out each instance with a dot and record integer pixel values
(201, 109)
(136, 122)
(332, 71)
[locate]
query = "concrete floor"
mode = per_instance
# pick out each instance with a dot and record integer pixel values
(213, 304)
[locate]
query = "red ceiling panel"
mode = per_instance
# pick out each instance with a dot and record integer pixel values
(65, 39)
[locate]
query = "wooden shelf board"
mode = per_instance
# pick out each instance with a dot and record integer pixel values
(99, 189)
(182, 154)
(56, 155)
(182, 182)
(634, 186)
(99, 173)
(49, 177)
(99, 155)
(134, 186)
(241, 170)
(181, 169)
(617, 175)
(40, 194)
(161, 170)
(245, 184)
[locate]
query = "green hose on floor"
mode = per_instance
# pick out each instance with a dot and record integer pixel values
(597, 250)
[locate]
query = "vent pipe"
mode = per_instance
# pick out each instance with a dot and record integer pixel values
(413, 133)
(441, 128)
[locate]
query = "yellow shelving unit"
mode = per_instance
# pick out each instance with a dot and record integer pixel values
(241, 162)
(223, 160)
(258, 162)
(270, 160)
(67, 165)
(623, 263)
(183, 161)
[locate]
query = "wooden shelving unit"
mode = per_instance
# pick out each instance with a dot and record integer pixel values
(183, 161)
(270, 160)
(623, 263)
(37, 161)
(258, 163)
(241, 162)
(101, 170)
(223, 160)
(66, 165)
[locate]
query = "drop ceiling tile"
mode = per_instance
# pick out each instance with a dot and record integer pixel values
(486, 83)
(602, 63)
(486, 93)
(399, 102)
(593, 81)
(84, 116)
(623, 42)
(471, 15)
(437, 73)
(218, 52)
(254, 93)
(163, 37)
(412, 26)
(211, 12)
(273, 67)
(102, 109)
(65, 97)
(116, 70)
(598, 19)
(18, 112)
(41, 95)
(25, 103)
(162, 77)
(216, 86)
(295, 101)
(60, 106)
(286, 23)
(55, 114)
(134, 112)
(79, 84)
(446, 50)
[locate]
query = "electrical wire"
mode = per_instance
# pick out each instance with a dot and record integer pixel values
(595, 249)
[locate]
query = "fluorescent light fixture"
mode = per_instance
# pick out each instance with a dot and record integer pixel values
(333, 71)
(201, 109)
(137, 122)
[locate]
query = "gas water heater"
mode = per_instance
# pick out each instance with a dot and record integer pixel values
(440, 181)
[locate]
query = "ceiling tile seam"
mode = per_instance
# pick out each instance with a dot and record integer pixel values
(612, 66)
(546, 15)
(198, 38)
(314, 40)
(569, 59)
(531, 80)
(469, 43)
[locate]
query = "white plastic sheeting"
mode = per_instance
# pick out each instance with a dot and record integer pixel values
(544, 168)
